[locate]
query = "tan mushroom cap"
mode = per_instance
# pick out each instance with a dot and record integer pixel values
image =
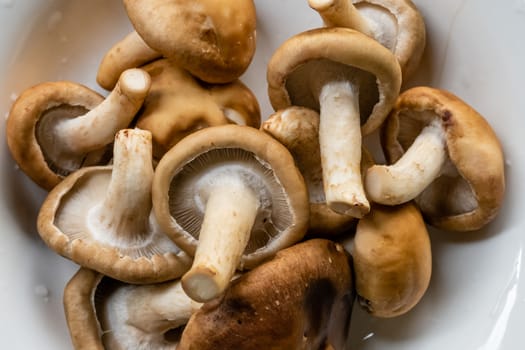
(470, 188)
(103, 313)
(352, 81)
(214, 40)
(232, 196)
(392, 259)
(299, 299)
(287, 71)
(21, 125)
(297, 128)
(54, 128)
(396, 24)
(178, 104)
(100, 217)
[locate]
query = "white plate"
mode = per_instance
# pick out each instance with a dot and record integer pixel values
(476, 49)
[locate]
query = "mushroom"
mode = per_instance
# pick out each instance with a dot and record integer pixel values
(443, 154)
(334, 71)
(55, 128)
(178, 104)
(297, 128)
(130, 52)
(230, 196)
(103, 313)
(392, 260)
(300, 299)
(396, 24)
(101, 218)
(213, 40)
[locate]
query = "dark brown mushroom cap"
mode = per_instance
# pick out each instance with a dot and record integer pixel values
(34, 105)
(63, 226)
(178, 104)
(470, 192)
(340, 50)
(213, 40)
(283, 219)
(392, 259)
(297, 300)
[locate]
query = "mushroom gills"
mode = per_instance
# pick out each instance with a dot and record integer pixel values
(189, 214)
(381, 22)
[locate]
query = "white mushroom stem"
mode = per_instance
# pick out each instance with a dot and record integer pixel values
(130, 52)
(341, 13)
(97, 128)
(231, 208)
(146, 312)
(125, 210)
(419, 166)
(340, 147)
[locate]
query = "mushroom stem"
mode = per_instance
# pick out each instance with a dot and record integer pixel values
(127, 205)
(231, 208)
(97, 128)
(130, 52)
(341, 13)
(151, 310)
(340, 147)
(413, 172)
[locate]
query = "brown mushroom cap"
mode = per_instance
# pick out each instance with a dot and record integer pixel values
(297, 300)
(297, 128)
(100, 217)
(178, 104)
(250, 179)
(213, 40)
(392, 260)
(352, 81)
(470, 189)
(55, 128)
(396, 24)
(103, 313)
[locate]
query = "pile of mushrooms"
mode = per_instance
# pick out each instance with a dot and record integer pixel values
(196, 226)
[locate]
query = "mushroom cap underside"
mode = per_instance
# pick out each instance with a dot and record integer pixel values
(40, 107)
(264, 164)
(339, 53)
(64, 225)
(470, 191)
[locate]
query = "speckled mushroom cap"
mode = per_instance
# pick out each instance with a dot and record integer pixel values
(103, 313)
(283, 219)
(297, 300)
(22, 127)
(178, 104)
(345, 51)
(100, 217)
(297, 128)
(214, 40)
(470, 191)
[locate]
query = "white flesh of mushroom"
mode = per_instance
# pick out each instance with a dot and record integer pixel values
(124, 213)
(231, 206)
(97, 127)
(340, 143)
(419, 166)
(140, 316)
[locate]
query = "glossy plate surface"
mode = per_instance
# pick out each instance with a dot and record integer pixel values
(476, 49)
